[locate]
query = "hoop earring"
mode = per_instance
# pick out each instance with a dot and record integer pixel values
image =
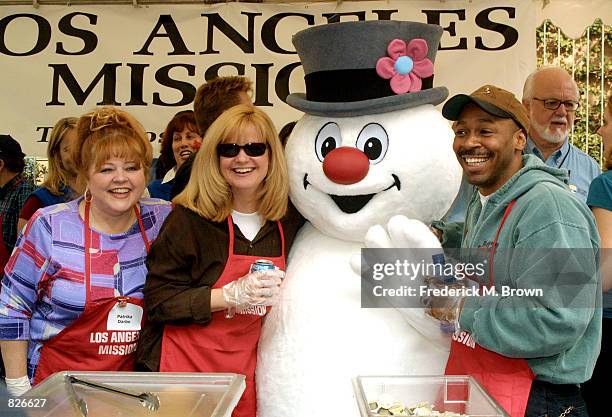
(87, 195)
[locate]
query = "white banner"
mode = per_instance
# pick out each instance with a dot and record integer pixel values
(60, 60)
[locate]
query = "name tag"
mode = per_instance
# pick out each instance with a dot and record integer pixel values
(124, 316)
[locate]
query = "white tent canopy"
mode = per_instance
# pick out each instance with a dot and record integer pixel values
(574, 16)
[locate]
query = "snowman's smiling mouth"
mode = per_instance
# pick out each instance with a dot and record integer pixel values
(353, 203)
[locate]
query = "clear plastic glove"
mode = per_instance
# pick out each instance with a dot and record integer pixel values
(259, 288)
(445, 302)
(18, 386)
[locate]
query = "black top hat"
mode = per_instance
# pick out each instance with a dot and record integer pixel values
(357, 68)
(9, 147)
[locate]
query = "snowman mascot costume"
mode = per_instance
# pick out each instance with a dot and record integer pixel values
(370, 163)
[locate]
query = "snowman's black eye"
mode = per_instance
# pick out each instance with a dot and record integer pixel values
(327, 140)
(373, 141)
(329, 145)
(372, 148)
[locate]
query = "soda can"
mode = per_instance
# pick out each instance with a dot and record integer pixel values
(262, 265)
(258, 265)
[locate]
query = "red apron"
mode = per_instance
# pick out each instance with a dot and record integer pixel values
(224, 345)
(507, 380)
(4, 253)
(93, 342)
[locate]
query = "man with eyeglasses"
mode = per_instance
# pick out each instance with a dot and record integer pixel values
(551, 96)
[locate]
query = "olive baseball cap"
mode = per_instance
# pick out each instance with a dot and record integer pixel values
(493, 100)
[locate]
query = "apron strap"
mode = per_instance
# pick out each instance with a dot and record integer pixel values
(230, 247)
(494, 248)
(87, 250)
(142, 228)
(282, 234)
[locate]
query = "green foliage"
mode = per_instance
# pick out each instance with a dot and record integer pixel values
(591, 65)
(35, 170)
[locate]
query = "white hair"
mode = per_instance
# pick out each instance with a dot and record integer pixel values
(530, 81)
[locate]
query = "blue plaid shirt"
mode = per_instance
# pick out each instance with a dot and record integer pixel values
(11, 200)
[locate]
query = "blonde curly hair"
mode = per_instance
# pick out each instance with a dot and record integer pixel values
(108, 132)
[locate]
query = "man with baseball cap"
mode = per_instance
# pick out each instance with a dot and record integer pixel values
(457, 211)
(529, 351)
(14, 190)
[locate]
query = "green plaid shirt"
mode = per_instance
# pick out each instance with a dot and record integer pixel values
(12, 198)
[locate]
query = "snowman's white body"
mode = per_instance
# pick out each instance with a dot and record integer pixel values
(319, 337)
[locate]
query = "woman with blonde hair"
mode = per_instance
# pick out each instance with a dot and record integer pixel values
(59, 183)
(600, 201)
(204, 303)
(72, 291)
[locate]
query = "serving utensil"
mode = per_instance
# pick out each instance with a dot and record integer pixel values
(146, 399)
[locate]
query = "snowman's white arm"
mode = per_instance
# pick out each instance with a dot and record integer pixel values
(402, 232)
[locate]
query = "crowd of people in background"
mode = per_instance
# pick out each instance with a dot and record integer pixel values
(89, 241)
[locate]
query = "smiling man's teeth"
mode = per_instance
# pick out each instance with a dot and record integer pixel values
(243, 170)
(475, 159)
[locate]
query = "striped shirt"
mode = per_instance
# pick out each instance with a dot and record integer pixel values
(43, 289)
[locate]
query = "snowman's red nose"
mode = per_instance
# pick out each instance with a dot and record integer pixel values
(346, 165)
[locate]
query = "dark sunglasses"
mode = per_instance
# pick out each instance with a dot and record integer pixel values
(229, 150)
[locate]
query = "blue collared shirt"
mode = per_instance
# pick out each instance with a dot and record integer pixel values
(582, 168)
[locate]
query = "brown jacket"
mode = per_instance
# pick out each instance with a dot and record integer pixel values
(184, 263)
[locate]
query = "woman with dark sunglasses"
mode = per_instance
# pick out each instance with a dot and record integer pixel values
(204, 302)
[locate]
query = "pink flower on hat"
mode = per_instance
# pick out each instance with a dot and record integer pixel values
(406, 65)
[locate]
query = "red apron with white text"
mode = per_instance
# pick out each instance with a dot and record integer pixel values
(96, 341)
(507, 380)
(224, 345)
(4, 253)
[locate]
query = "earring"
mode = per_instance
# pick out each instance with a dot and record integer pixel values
(87, 195)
